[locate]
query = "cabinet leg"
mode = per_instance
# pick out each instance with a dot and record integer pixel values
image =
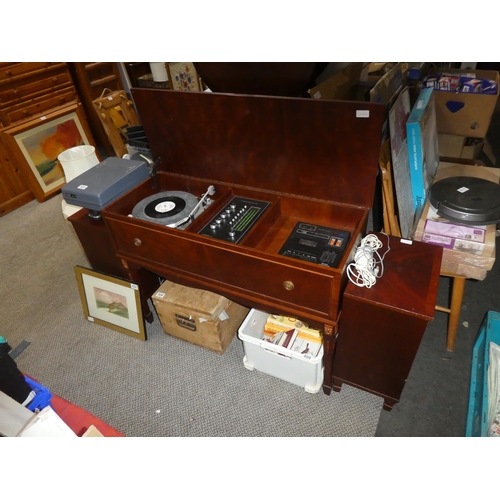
(389, 403)
(337, 384)
(328, 349)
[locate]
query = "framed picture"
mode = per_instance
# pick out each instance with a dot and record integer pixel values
(36, 144)
(111, 302)
(183, 76)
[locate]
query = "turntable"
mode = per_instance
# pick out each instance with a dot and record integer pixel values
(172, 208)
(466, 200)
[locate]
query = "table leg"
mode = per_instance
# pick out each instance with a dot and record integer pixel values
(457, 295)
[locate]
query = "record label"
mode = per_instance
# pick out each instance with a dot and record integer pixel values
(166, 207)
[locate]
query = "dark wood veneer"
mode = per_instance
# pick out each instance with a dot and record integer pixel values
(314, 161)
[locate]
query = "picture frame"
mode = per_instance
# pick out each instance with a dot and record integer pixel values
(183, 76)
(35, 144)
(111, 302)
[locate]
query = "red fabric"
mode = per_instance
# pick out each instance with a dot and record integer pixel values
(79, 420)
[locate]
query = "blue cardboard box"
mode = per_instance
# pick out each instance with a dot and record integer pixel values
(423, 150)
(477, 416)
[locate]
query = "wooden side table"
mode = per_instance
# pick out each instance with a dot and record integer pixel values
(381, 327)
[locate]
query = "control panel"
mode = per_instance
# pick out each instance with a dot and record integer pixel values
(235, 219)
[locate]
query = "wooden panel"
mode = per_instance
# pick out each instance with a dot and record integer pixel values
(91, 80)
(15, 71)
(381, 327)
(221, 263)
(308, 147)
(14, 190)
(35, 108)
(15, 92)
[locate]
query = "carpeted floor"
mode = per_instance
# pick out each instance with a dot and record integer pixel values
(161, 387)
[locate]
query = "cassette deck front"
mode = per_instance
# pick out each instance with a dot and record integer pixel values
(316, 244)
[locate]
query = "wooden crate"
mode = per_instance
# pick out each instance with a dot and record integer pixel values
(198, 316)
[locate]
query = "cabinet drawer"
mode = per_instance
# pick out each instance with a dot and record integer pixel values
(13, 71)
(12, 93)
(37, 107)
(100, 72)
(274, 280)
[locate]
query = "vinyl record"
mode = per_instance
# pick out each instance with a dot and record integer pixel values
(467, 200)
(166, 207)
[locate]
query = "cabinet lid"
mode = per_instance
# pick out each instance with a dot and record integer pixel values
(308, 147)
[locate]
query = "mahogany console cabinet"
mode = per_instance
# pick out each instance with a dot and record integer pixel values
(381, 327)
(304, 160)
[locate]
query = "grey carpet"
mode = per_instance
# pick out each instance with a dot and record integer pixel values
(161, 387)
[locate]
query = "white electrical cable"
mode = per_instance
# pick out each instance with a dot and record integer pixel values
(368, 265)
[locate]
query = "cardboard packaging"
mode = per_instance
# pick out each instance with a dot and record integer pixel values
(450, 145)
(462, 113)
(198, 316)
(340, 86)
(423, 150)
(457, 146)
(466, 260)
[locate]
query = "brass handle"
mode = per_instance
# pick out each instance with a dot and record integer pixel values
(288, 285)
(137, 242)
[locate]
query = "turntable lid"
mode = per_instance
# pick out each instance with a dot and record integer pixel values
(316, 148)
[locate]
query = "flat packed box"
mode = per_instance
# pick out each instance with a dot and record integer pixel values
(298, 367)
(198, 316)
(463, 113)
(423, 149)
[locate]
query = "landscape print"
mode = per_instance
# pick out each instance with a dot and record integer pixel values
(113, 303)
(44, 144)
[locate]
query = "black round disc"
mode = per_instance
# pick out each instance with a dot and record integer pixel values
(166, 206)
(467, 200)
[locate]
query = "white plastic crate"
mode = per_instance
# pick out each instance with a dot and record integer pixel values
(264, 357)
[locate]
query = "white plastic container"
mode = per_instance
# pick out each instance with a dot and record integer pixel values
(264, 357)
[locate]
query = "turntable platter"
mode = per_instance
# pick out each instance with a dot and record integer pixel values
(166, 207)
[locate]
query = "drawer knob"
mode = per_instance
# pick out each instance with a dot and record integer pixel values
(288, 285)
(137, 242)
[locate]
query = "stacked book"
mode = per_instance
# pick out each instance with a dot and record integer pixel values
(292, 334)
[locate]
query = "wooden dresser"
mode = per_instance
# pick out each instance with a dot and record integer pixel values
(28, 90)
(30, 93)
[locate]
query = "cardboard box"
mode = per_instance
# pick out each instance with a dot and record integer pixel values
(423, 150)
(450, 145)
(465, 114)
(464, 260)
(470, 148)
(198, 316)
(341, 86)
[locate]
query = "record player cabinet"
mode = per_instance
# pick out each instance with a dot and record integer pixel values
(313, 161)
